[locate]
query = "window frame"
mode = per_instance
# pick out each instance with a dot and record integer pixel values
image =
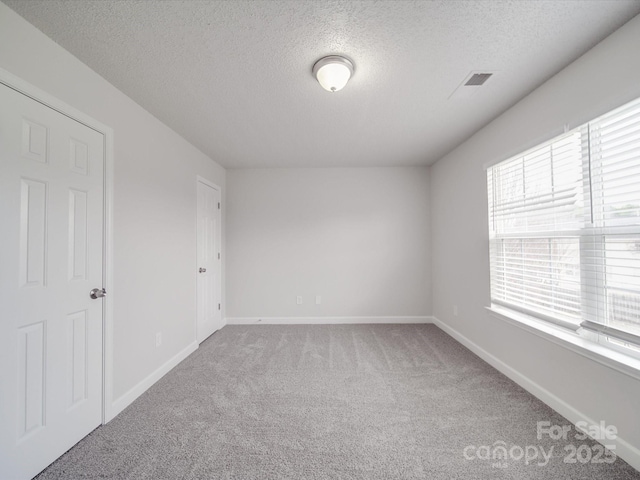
(595, 339)
(494, 237)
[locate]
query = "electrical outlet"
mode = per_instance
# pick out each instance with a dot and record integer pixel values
(318, 299)
(299, 300)
(158, 339)
(455, 310)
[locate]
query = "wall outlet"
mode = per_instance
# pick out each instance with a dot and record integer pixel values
(455, 310)
(299, 300)
(318, 299)
(158, 339)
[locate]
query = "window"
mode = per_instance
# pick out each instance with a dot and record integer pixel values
(564, 223)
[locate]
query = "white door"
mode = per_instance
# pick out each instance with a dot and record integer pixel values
(209, 270)
(51, 219)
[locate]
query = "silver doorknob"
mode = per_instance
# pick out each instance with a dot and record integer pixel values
(97, 293)
(202, 270)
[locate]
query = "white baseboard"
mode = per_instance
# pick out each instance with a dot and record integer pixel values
(623, 449)
(128, 398)
(323, 320)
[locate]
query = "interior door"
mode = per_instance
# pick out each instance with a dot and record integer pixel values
(209, 271)
(51, 256)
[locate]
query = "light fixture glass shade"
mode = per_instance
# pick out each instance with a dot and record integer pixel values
(333, 72)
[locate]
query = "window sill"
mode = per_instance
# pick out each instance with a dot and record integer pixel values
(571, 340)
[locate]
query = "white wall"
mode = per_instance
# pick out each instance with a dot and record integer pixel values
(358, 237)
(154, 204)
(604, 78)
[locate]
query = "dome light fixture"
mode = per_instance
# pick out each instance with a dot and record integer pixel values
(333, 72)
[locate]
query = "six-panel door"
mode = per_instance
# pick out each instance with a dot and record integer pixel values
(51, 256)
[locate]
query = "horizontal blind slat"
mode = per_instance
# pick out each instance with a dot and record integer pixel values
(564, 222)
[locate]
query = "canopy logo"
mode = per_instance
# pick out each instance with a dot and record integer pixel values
(540, 455)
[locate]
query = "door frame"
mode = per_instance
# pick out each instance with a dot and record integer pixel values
(200, 179)
(21, 86)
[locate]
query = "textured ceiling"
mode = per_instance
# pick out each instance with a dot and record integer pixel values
(234, 77)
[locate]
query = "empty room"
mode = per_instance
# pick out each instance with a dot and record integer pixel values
(318, 239)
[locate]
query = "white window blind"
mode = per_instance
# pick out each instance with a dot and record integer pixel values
(564, 222)
(613, 252)
(536, 205)
(539, 191)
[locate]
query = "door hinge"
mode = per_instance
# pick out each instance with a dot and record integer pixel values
(218, 255)
(218, 306)
(218, 205)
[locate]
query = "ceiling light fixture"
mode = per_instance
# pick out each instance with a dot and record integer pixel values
(333, 72)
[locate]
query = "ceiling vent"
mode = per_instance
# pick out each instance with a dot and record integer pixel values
(477, 79)
(471, 84)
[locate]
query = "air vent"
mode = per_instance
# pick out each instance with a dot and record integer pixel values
(477, 79)
(474, 82)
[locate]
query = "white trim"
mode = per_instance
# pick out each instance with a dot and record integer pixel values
(210, 184)
(107, 339)
(571, 340)
(610, 331)
(499, 305)
(324, 320)
(623, 448)
(128, 398)
(31, 91)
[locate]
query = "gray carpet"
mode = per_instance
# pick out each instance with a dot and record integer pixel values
(331, 401)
